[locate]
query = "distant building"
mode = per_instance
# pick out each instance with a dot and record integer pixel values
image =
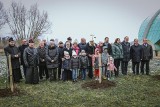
(150, 29)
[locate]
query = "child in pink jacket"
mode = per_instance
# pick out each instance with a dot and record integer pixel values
(111, 67)
(95, 63)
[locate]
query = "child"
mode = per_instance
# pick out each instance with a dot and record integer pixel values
(66, 65)
(84, 63)
(74, 66)
(105, 56)
(95, 63)
(111, 68)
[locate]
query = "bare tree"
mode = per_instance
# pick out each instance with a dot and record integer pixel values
(25, 24)
(3, 15)
(37, 23)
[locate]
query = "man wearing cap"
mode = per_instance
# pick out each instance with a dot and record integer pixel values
(147, 55)
(82, 44)
(21, 48)
(30, 57)
(13, 50)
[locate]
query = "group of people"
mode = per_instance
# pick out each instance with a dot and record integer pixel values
(73, 60)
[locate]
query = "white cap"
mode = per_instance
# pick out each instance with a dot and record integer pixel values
(74, 53)
(66, 53)
(111, 58)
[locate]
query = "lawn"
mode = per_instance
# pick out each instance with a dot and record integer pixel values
(131, 90)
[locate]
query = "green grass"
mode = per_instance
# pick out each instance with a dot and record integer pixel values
(137, 91)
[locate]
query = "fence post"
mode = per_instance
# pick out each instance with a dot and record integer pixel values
(10, 74)
(100, 68)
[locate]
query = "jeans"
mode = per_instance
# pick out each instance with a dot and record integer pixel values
(84, 73)
(74, 74)
(104, 70)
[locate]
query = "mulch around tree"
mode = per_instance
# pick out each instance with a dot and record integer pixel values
(6, 92)
(156, 77)
(96, 85)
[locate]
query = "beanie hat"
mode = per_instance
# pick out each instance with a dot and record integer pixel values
(10, 39)
(74, 53)
(31, 41)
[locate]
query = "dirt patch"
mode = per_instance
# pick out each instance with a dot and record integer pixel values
(156, 77)
(97, 85)
(7, 92)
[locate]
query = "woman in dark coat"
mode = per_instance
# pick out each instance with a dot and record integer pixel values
(30, 57)
(12, 50)
(52, 60)
(42, 60)
(135, 55)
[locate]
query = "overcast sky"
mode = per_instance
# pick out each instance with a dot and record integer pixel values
(80, 18)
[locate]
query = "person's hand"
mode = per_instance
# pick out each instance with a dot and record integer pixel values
(16, 56)
(52, 61)
(90, 55)
(63, 59)
(42, 60)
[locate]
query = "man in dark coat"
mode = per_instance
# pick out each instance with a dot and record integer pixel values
(52, 60)
(13, 50)
(90, 49)
(42, 60)
(135, 56)
(107, 45)
(147, 55)
(82, 44)
(21, 48)
(126, 55)
(60, 51)
(30, 57)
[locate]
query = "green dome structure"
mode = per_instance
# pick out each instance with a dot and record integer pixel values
(150, 29)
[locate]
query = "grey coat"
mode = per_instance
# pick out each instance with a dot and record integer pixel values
(117, 51)
(75, 63)
(30, 57)
(84, 62)
(105, 58)
(52, 54)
